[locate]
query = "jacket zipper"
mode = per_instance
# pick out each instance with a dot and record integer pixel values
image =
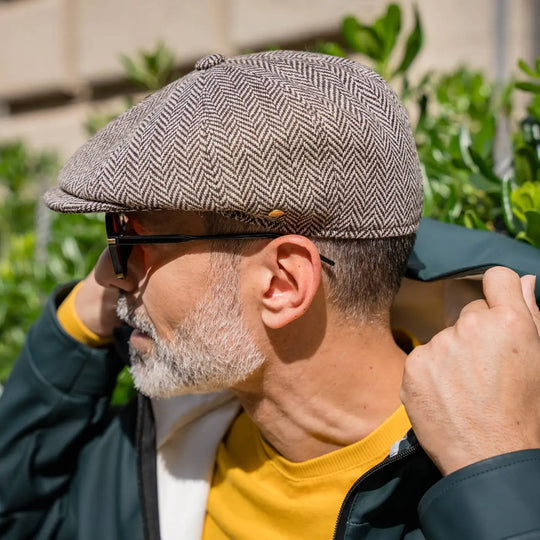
(341, 523)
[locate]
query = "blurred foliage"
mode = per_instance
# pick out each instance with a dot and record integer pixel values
(30, 270)
(457, 117)
(531, 86)
(151, 70)
(97, 119)
(24, 284)
(525, 201)
(480, 170)
(73, 244)
(377, 42)
(20, 173)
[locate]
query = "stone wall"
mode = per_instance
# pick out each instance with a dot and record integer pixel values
(59, 58)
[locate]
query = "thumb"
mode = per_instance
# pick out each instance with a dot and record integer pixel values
(527, 286)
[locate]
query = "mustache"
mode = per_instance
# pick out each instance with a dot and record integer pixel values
(128, 314)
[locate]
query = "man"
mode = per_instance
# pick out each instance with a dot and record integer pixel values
(260, 213)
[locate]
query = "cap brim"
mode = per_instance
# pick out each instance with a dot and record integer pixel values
(61, 201)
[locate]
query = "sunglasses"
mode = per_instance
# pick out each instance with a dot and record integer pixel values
(121, 242)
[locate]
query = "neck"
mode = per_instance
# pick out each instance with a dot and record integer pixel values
(307, 405)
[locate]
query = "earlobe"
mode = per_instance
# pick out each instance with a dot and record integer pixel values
(293, 281)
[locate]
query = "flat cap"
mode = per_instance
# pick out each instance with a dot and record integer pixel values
(292, 141)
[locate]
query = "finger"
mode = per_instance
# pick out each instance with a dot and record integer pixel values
(103, 271)
(475, 305)
(502, 288)
(528, 284)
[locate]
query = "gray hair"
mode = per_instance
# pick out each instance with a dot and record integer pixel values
(367, 274)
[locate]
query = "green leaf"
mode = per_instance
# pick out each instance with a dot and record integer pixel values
(422, 111)
(361, 38)
(429, 197)
(508, 214)
(413, 46)
(481, 183)
(523, 237)
(533, 226)
(464, 140)
(151, 69)
(388, 28)
(472, 221)
(484, 168)
(520, 215)
(528, 86)
(534, 107)
(484, 138)
(527, 69)
(331, 48)
(525, 164)
(526, 197)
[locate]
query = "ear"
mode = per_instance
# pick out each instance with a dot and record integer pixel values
(292, 276)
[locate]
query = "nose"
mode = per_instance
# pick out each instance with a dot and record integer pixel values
(105, 276)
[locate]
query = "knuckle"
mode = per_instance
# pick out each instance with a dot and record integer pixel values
(469, 324)
(511, 318)
(441, 341)
(473, 307)
(468, 318)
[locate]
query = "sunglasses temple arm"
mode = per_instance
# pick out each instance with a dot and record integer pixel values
(328, 261)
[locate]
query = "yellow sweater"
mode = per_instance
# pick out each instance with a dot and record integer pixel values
(256, 493)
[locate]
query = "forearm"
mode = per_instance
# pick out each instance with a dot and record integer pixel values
(57, 394)
(495, 498)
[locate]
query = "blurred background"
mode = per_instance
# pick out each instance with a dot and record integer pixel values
(468, 72)
(60, 59)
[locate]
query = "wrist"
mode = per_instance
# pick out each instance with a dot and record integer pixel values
(72, 323)
(453, 463)
(95, 306)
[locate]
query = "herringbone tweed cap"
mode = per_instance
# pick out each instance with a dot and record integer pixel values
(321, 144)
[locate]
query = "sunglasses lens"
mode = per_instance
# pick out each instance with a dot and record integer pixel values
(123, 255)
(117, 262)
(119, 254)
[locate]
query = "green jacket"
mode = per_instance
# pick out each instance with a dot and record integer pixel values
(71, 467)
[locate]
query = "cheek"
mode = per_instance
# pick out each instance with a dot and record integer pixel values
(152, 258)
(169, 291)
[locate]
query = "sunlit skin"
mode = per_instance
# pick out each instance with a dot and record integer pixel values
(325, 383)
(160, 274)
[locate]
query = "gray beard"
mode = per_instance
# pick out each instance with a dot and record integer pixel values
(211, 350)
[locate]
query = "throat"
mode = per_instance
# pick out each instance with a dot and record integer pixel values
(307, 412)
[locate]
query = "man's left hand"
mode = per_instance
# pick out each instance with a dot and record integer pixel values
(473, 391)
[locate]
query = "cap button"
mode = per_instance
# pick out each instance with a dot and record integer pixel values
(209, 61)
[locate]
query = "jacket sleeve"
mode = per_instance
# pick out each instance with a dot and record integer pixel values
(55, 399)
(494, 498)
